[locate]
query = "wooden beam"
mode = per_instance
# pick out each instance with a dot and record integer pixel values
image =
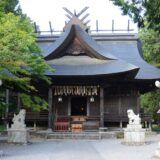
(50, 26)
(82, 11)
(69, 12)
(50, 102)
(68, 16)
(35, 27)
(96, 25)
(120, 105)
(112, 25)
(82, 19)
(128, 27)
(138, 102)
(87, 22)
(101, 107)
(88, 106)
(7, 103)
(69, 106)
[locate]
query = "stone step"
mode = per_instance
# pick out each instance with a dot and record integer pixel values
(84, 135)
(151, 133)
(73, 136)
(70, 135)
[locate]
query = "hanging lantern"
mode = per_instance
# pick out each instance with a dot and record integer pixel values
(59, 99)
(157, 84)
(0, 82)
(92, 99)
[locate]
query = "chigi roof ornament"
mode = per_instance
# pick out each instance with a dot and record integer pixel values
(74, 18)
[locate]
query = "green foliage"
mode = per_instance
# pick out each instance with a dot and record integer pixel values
(2, 108)
(13, 6)
(2, 128)
(152, 14)
(21, 62)
(133, 8)
(120, 135)
(151, 45)
(36, 103)
(18, 64)
(151, 103)
(156, 128)
(142, 11)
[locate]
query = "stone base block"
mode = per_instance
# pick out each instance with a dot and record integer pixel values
(18, 136)
(134, 137)
(133, 127)
(157, 153)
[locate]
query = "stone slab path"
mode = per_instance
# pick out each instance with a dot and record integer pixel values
(107, 149)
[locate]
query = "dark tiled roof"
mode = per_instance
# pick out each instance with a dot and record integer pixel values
(130, 52)
(55, 49)
(94, 69)
(123, 51)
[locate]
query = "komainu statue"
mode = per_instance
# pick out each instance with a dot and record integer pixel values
(133, 118)
(19, 120)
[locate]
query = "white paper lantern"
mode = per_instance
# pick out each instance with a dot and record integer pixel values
(0, 82)
(157, 84)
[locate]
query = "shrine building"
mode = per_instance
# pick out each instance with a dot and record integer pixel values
(97, 77)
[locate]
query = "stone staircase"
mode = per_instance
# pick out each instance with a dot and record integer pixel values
(70, 135)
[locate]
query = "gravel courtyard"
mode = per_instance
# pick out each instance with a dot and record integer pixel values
(107, 149)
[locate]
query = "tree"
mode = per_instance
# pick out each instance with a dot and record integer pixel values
(150, 102)
(142, 11)
(13, 6)
(21, 62)
(151, 45)
(146, 13)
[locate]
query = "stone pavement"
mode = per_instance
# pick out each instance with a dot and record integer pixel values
(107, 149)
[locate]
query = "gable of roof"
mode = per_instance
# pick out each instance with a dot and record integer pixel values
(76, 53)
(57, 49)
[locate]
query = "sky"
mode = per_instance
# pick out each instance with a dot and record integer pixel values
(43, 11)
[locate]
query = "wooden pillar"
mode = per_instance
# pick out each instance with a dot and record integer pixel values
(69, 106)
(50, 102)
(120, 105)
(101, 107)
(121, 124)
(7, 105)
(18, 102)
(120, 109)
(138, 102)
(88, 106)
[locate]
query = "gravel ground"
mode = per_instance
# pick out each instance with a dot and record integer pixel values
(107, 149)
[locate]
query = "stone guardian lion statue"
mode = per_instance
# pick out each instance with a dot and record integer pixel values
(133, 118)
(19, 120)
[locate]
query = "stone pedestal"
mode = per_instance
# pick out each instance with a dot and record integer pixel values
(18, 132)
(157, 152)
(18, 136)
(134, 134)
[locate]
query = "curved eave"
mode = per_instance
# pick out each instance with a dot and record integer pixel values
(111, 68)
(56, 49)
(58, 46)
(148, 73)
(131, 52)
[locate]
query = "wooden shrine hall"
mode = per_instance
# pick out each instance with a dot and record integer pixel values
(97, 77)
